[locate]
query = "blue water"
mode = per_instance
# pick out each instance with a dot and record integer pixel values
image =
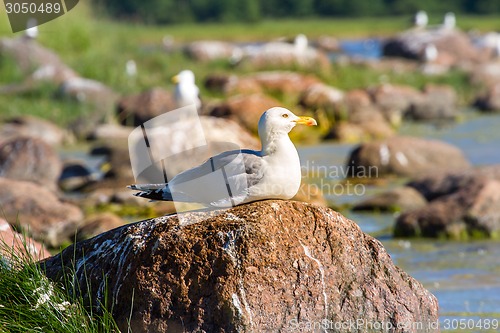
(464, 276)
(362, 48)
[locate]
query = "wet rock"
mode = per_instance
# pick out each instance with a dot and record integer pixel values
(210, 50)
(265, 266)
(38, 211)
(245, 109)
(75, 175)
(97, 224)
(439, 102)
(30, 159)
(134, 110)
(399, 199)
(34, 127)
(472, 211)
(404, 156)
(117, 161)
(490, 101)
(462, 204)
(21, 246)
(440, 184)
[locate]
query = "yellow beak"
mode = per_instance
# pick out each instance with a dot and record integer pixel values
(175, 79)
(306, 121)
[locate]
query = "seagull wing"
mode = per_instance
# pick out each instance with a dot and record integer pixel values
(222, 180)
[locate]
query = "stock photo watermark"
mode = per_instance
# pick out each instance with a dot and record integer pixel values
(25, 14)
(336, 180)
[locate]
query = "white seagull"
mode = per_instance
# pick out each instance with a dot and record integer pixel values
(421, 19)
(186, 92)
(271, 173)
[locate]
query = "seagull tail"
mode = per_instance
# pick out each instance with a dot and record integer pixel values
(154, 192)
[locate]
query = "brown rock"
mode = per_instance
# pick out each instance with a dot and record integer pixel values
(462, 204)
(328, 43)
(360, 132)
(404, 156)
(134, 110)
(357, 99)
(471, 211)
(322, 96)
(439, 102)
(231, 84)
(438, 184)
(30, 159)
(89, 91)
(261, 267)
(245, 109)
(490, 101)
(18, 245)
(36, 128)
(399, 199)
(32, 58)
(394, 101)
(38, 212)
(286, 83)
(210, 50)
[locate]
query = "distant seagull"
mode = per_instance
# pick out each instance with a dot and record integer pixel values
(450, 21)
(131, 68)
(271, 173)
(300, 43)
(421, 19)
(430, 53)
(186, 92)
(32, 29)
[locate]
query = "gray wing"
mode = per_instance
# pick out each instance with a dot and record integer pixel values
(237, 163)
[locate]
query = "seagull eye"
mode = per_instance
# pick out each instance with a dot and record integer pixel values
(284, 115)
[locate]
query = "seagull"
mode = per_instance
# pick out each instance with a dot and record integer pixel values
(421, 19)
(450, 21)
(31, 29)
(186, 92)
(131, 68)
(271, 173)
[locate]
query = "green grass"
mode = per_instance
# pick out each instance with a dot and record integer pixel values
(29, 302)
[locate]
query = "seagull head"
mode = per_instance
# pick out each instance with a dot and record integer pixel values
(279, 120)
(185, 76)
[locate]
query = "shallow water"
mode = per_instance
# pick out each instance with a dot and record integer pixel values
(464, 276)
